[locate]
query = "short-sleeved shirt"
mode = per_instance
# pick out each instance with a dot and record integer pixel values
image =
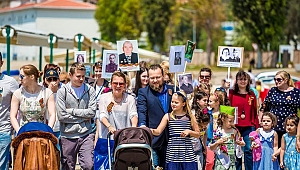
(121, 113)
(8, 85)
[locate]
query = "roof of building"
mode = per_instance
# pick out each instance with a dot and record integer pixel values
(52, 4)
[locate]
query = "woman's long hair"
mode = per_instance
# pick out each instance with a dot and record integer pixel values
(241, 74)
(138, 82)
(198, 96)
(286, 75)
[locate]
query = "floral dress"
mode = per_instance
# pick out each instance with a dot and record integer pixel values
(225, 153)
(33, 107)
(291, 157)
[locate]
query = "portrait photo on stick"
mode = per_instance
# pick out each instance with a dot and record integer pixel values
(110, 63)
(128, 55)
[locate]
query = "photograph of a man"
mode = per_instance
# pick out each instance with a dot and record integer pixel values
(111, 66)
(230, 56)
(185, 81)
(128, 56)
(225, 55)
(177, 59)
(236, 55)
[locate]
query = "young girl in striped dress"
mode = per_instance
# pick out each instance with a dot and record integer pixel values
(182, 126)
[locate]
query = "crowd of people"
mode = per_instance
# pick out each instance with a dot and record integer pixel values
(209, 129)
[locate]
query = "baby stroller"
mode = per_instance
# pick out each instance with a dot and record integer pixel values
(35, 148)
(132, 149)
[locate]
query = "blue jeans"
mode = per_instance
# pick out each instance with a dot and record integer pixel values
(5, 139)
(248, 161)
(57, 134)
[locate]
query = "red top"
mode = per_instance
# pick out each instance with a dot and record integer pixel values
(248, 104)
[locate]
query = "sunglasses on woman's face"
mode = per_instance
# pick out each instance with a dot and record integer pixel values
(21, 76)
(220, 89)
(63, 81)
(50, 79)
(278, 79)
(118, 83)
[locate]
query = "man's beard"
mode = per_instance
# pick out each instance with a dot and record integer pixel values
(156, 88)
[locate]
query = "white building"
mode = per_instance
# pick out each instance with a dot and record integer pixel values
(64, 18)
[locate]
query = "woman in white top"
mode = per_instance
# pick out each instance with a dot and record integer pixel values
(32, 100)
(117, 108)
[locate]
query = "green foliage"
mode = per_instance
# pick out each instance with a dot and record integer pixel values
(292, 28)
(129, 23)
(119, 19)
(241, 37)
(156, 15)
(263, 19)
(180, 28)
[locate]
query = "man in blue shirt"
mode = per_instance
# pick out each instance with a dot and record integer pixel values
(152, 104)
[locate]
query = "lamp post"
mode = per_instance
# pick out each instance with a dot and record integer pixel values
(67, 61)
(96, 40)
(79, 38)
(8, 32)
(51, 40)
(194, 20)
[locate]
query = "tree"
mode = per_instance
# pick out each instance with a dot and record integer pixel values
(210, 14)
(292, 27)
(156, 16)
(180, 27)
(241, 37)
(129, 23)
(264, 20)
(119, 19)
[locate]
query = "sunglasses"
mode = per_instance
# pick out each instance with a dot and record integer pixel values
(220, 89)
(278, 79)
(63, 81)
(50, 79)
(21, 76)
(205, 77)
(98, 64)
(118, 83)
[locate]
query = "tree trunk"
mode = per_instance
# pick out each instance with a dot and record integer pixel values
(208, 49)
(208, 42)
(259, 59)
(274, 58)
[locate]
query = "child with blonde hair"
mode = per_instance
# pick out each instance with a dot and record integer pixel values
(182, 126)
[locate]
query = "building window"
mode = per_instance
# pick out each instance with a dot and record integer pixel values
(20, 20)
